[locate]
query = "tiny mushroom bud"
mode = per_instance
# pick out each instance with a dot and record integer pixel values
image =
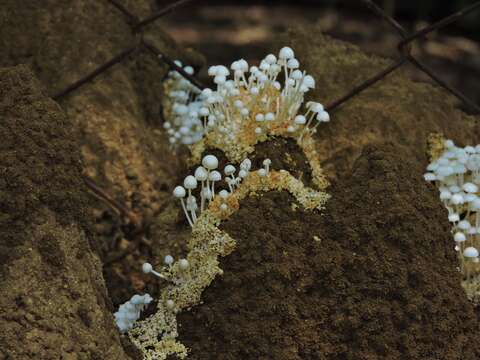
(262, 172)
(168, 260)
(470, 188)
(224, 194)
(170, 304)
(269, 116)
(183, 264)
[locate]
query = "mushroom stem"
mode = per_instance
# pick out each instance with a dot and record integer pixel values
(186, 213)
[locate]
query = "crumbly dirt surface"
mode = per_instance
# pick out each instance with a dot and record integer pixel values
(53, 299)
(372, 278)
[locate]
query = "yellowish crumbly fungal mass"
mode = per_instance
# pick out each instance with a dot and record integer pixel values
(206, 245)
(235, 117)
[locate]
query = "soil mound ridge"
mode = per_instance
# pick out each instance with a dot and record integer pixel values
(372, 278)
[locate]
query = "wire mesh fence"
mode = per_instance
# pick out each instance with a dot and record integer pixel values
(404, 47)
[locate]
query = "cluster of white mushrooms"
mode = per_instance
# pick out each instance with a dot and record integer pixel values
(207, 176)
(271, 93)
(457, 174)
(130, 312)
(185, 125)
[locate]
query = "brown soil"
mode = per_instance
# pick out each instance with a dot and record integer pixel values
(53, 299)
(373, 278)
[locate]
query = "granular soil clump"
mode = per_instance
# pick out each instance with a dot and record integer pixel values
(374, 277)
(53, 300)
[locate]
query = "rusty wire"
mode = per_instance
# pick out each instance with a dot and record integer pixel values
(404, 50)
(136, 26)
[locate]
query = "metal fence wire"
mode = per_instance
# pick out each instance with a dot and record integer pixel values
(403, 46)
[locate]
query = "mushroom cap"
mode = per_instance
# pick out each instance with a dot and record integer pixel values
(269, 116)
(147, 268)
(183, 264)
(190, 182)
(201, 173)
(470, 252)
(470, 187)
(300, 120)
(168, 260)
(179, 192)
(323, 116)
(464, 225)
(309, 81)
(242, 173)
(246, 164)
(286, 53)
(459, 237)
(229, 169)
(170, 304)
(215, 176)
(293, 63)
(453, 217)
(210, 162)
(457, 199)
(270, 59)
(223, 194)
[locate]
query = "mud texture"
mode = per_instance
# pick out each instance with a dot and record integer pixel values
(373, 278)
(396, 109)
(117, 115)
(53, 299)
